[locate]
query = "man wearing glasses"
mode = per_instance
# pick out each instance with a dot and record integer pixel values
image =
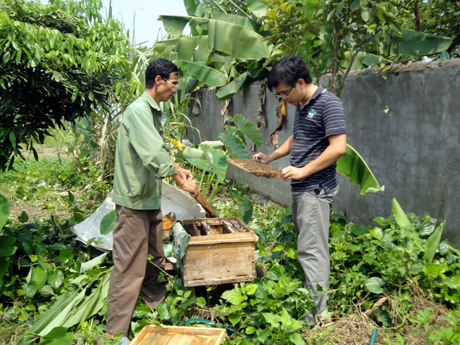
(141, 161)
(318, 140)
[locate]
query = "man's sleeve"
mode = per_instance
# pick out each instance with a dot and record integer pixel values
(149, 145)
(334, 117)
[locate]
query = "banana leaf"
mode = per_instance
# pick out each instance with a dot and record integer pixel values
(194, 8)
(415, 43)
(352, 165)
(238, 20)
(259, 9)
(237, 41)
(206, 75)
(174, 25)
(235, 86)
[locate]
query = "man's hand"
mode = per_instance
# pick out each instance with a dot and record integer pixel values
(293, 173)
(190, 186)
(185, 174)
(262, 157)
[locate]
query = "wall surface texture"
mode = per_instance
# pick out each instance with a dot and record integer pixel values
(406, 125)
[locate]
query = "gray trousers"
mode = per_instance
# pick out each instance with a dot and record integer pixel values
(136, 234)
(310, 213)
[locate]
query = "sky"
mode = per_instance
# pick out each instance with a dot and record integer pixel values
(147, 13)
(148, 27)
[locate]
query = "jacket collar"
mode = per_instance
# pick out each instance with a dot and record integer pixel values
(151, 101)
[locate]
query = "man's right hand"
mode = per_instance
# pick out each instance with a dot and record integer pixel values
(262, 157)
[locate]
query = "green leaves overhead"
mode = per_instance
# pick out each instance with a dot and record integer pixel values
(415, 43)
(174, 25)
(235, 86)
(205, 74)
(352, 165)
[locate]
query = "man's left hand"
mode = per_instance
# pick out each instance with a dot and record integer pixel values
(293, 173)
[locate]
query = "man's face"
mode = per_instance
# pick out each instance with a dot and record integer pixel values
(289, 94)
(167, 87)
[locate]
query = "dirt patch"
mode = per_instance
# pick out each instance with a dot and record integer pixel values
(256, 168)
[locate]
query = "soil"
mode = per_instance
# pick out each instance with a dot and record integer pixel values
(257, 168)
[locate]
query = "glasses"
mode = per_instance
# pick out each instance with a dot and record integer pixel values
(176, 86)
(279, 95)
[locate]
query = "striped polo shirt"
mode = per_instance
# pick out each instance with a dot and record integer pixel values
(321, 117)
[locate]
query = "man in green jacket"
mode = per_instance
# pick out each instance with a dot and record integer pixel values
(141, 162)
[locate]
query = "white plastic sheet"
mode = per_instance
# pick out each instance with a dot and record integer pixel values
(172, 200)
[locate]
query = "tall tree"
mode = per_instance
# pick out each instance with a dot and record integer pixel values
(58, 62)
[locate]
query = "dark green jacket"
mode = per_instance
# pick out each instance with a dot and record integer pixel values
(141, 159)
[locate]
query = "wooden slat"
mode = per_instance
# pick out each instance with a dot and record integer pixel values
(156, 335)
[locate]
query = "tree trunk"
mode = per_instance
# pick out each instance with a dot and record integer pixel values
(57, 148)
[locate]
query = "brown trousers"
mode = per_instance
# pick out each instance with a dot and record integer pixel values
(136, 234)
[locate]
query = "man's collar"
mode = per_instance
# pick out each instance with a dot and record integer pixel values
(151, 101)
(319, 90)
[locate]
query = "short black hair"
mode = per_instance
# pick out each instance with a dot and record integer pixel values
(288, 70)
(161, 67)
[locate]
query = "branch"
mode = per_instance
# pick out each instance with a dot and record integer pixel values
(342, 82)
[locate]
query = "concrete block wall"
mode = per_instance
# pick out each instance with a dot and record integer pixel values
(404, 122)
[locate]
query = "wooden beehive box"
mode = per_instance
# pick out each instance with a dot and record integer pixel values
(226, 255)
(156, 335)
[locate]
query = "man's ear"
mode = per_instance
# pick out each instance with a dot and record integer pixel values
(301, 82)
(158, 78)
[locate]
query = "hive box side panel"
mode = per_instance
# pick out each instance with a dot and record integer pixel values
(219, 264)
(156, 335)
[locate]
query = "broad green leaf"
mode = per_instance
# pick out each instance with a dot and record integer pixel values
(238, 20)
(23, 217)
(232, 88)
(434, 270)
(249, 129)
(375, 284)
(259, 9)
(38, 277)
(46, 291)
(6, 245)
(234, 145)
(245, 209)
(273, 319)
(107, 222)
(163, 311)
(192, 153)
(237, 41)
(206, 75)
(251, 289)
(234, 318)
(432, 244)
(174, 25)
(56, 279)
(65, 256)
(58, 336)
(415, 43)
(217, 160)
(355, 5)
(366, 15)
(400, 216)
(84, 125)
(4, 211)
(352, 165)
(30, 289)
(214, 144)
(194, 8)
(296, 339)
(250, 330)
(200, 163)
(201, 302)
(234, 296)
